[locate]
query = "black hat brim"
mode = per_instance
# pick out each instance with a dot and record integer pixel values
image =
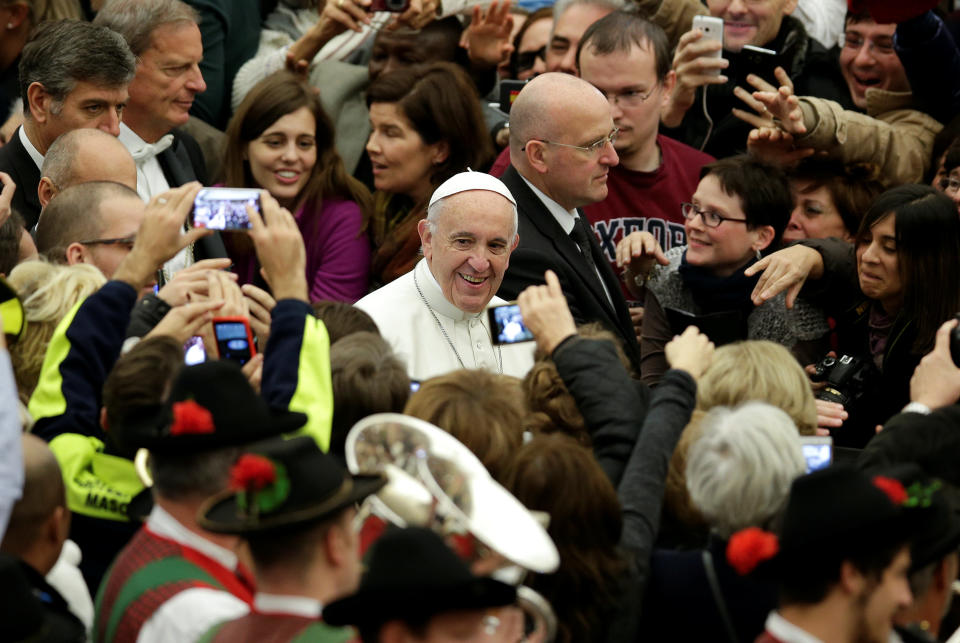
(223, 515)
(148, 434)
(379, 605)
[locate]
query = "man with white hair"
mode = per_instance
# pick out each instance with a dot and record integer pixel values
(434, 316)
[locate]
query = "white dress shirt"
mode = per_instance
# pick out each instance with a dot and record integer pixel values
(186, 616)
(407, 322)
(31, 150)
(785, 631)
(287, 604)
(151, 180)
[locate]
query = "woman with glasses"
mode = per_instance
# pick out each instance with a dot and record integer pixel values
(737, 215)
(426, 126)
(280, 139)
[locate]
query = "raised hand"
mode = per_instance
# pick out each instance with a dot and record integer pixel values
(280, 249)
(694, 68)
(691, 351)
(546, 313)
(488, 36)
(785, 269)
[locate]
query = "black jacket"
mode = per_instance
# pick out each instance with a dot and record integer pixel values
(543, 245)
(16, 161)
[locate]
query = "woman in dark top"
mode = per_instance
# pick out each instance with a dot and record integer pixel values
(889, 292)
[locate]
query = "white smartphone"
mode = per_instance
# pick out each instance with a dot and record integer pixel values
(712, 29)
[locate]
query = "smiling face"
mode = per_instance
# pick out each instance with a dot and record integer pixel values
(868, 60)
(534, 38)
(402, 162)
(878, 264)
(728, 247)
(625, 78)
(750, 23)
(469, 251)
(283, 157)
(815, 215)
(168, 77)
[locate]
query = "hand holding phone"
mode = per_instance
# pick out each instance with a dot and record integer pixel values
(224, 208)
(506, 325)
(712, 29)
(234, 339)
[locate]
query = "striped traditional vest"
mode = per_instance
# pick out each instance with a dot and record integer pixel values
(149, 571)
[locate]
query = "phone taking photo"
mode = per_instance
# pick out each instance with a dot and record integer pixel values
(712, 29)
(194, 352)
(224, 208)
(817, 451)
(234, 339)
(506, 325)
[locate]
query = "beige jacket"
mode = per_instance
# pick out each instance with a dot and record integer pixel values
(895, 138)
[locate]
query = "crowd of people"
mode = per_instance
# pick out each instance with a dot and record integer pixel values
(652, 306)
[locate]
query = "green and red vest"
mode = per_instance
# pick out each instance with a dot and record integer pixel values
(149, 571)
(277, 628)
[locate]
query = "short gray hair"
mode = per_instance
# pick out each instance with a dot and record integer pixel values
(192, 475)
(740, 470)
(560, 6)
(436, 209)
(64, 52)
(136, 20)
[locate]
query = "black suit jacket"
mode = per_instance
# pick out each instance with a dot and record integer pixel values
(16, 161)
(181, 163)
(543, 245)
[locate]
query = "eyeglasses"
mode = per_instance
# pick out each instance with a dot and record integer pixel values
(591, 148)
(855, 42)
(527, 59)
(117, 241)
(629, 97)
(949, 184)
(710, 219)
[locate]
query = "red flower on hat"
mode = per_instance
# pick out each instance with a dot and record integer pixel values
(893, 488)
(750, 547)
(191, 418)
(252, 472)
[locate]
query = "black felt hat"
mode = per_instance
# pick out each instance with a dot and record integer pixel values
(282, 483)
(937, 515)
(831, 514)
(211, 406)
(412, 575)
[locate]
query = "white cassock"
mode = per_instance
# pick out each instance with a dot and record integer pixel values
(409, 323)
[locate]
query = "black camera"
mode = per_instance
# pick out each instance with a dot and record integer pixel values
(847, 378)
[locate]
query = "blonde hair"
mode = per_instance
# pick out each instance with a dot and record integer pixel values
(762, 371)
(48, 292)
(751, 370)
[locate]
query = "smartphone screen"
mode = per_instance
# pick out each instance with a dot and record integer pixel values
(506, 325)
(817, 451)
(224, 208)
(194, 351)
(234, 340)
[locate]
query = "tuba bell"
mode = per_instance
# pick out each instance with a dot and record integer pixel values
(435, 481)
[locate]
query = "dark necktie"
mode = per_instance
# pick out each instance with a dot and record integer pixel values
(579, 236)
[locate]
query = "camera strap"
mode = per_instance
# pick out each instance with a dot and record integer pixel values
(718, 595)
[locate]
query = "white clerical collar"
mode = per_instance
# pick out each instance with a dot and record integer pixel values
(434, 294)
(786, 632)
(163, 524)
(285, 604)
(566, 218)
(31, 150)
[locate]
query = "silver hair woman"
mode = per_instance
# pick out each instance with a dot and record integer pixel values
(740, 470)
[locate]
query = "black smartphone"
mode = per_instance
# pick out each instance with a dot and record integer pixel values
(762, 62)
(509, 89)
(234, 339)
(506, 325)
(395, 6)
(224, 208)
